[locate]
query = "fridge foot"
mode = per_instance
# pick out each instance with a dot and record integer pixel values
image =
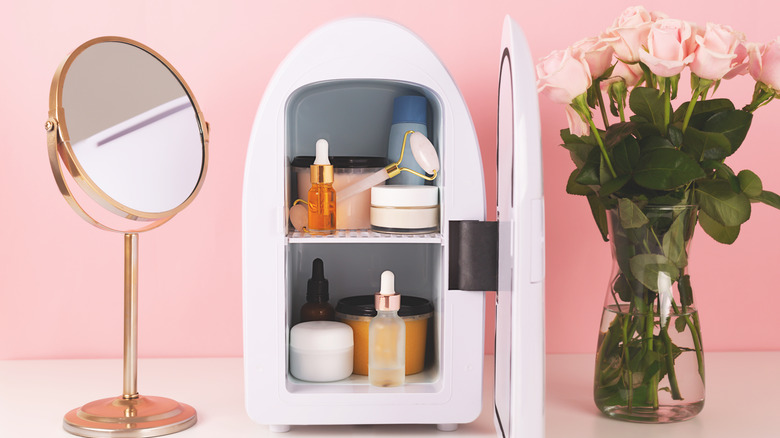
(279, 428)
(447, 427)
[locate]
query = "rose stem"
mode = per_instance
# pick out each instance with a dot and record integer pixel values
(695, 333)
(670, 364)
(600, 98)
(601, 146)
(667, 101)
(652, 392)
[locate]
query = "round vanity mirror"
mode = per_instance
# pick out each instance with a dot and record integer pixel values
(129, 131)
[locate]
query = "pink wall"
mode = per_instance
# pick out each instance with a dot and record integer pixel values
(61, 279)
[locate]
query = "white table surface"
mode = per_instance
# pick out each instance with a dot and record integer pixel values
(741, 399)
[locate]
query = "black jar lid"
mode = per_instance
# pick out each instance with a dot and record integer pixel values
(340, 162)
(363, 305)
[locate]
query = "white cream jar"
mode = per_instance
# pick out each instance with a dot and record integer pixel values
(405, 209)
(321, 351)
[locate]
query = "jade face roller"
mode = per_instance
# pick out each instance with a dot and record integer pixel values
(422, 151)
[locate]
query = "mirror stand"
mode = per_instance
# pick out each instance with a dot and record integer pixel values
(136, 144)
(130, 415)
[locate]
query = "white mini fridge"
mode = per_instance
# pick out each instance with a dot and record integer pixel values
(339, 84)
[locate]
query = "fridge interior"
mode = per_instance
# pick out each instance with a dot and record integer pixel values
(355, 117)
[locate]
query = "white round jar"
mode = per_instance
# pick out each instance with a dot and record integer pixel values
(405, 209)
(321, 351)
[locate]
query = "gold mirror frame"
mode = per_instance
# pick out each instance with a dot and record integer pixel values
(129, 415)
(59, 148)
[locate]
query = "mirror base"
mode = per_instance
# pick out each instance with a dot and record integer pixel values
(141, 417)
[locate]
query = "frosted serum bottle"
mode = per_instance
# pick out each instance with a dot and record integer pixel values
(387, 337)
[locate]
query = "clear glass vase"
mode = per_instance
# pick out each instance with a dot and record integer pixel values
(649, 360)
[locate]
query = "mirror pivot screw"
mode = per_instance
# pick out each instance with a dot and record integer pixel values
(49, 125)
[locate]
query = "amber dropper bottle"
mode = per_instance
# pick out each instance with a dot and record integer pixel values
(322, 197)
(317, 307)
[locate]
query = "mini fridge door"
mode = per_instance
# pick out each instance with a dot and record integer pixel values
(519, 367)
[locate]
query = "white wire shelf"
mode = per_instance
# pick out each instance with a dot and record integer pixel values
(363, 236)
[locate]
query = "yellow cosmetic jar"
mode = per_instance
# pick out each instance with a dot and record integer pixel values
(416, 312)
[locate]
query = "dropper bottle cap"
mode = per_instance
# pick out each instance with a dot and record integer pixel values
(387, 298)
(317, 287)
(321, 170)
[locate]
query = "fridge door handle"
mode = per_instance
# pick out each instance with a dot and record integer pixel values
(473, 255)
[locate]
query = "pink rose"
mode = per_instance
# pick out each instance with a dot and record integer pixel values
(596, 52)
(670, 46)
(765, 63)
(562, 76)
(629, 33)
(656, 15)
(740, 63)
(630, 73)
(716, 54)
(577, 126)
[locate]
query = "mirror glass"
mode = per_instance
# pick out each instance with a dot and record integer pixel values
(132, 127)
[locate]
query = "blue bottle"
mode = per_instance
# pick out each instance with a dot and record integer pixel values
(409, 114)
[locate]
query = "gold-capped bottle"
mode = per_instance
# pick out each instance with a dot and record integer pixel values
(322, 196)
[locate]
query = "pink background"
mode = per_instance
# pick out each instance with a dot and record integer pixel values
(61, 279)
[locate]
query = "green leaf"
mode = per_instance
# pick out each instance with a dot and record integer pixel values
(719, 232)
(599, 213)
(605, 175)
(675, 136)
(623, 288)
(624, 250)
(733, 124)
(770, 198)
(679, 324)
(578, 152)
(717, 199)
(617, 132)
(631, 215)
(750, 183)
(706, 145)
(723, 171)
(666, 169)
(670, 198)
(589, 173)
(625, 155)
(706, 107)
(645, 268)
(575, 188)
(654, 142)
(649, 104)
(614, 185)
(643, 127)
(686, 292)
(674, 242)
